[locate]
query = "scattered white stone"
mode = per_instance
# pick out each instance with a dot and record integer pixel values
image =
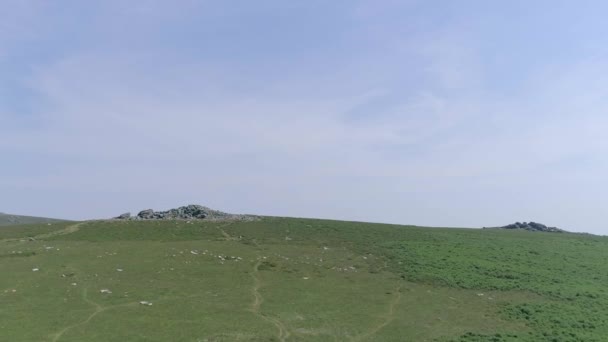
(194, 252)
(35, 269)
(480, 294)
(143, 302)
(305, 278)
(105, 291)
(48, 247)
(74, 284)
(119, 269)
(325, 248)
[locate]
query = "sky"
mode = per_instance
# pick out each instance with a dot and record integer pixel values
(439, 113)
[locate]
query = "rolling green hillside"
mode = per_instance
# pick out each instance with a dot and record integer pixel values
(285, 279)
(9, 220)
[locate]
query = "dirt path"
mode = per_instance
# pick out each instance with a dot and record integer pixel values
(98, 309)
(86, 299)
(227, 236)
(388, 317)
(257, 297)
(67, 230)
(283, 333)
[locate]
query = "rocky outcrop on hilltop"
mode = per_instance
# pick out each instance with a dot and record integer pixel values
(124, 216)
(533, 226)
(189, 212)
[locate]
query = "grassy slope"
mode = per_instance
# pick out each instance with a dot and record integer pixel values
(300, 280)
(9, 220)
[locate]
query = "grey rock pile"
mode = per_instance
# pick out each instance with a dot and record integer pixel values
(533, 226)
(189, 212)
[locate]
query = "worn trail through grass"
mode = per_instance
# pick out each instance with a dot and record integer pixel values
(388, 317)
(98, 309)
(283, 332)
(67, 230)
(227, 236)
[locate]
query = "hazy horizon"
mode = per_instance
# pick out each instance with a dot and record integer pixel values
(432, 113)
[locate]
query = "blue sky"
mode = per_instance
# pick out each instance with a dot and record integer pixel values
(443, 113)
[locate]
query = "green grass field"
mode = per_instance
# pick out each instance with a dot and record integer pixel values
(283, 279)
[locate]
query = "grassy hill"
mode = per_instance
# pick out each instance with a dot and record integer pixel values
(10, 220)
(285, 279)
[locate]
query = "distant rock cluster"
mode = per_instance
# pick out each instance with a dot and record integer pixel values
(532, 226)
(189, 212)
